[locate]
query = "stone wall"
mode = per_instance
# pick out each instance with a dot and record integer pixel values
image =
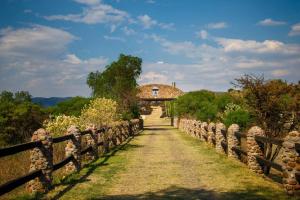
(41, 158)
(229, 142)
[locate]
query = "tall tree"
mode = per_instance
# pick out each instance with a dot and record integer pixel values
(119, 82)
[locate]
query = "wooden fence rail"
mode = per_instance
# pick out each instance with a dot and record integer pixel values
(45, 151)
(229, 142)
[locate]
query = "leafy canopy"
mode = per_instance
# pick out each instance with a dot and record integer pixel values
(119, 82)
(19, 117)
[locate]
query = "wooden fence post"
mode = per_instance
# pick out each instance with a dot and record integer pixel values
(41, 158)
(220, 137)
(232, 140)
(73, 147)
(254, 148)
(291, 162)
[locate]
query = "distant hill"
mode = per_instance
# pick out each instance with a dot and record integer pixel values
(51, 101)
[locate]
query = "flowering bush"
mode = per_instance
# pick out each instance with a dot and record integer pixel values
(59, 125)
(99, 112)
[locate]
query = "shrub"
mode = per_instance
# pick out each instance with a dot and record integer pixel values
(235, 114)
(100, 111)
(190, 104)
(59, 125)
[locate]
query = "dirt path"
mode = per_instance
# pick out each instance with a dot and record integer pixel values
(163, 163)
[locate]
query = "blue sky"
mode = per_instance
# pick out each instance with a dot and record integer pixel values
(48, 47)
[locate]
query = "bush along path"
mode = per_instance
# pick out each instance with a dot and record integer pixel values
(164, 163)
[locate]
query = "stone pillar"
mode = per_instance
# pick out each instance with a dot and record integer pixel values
(41, 158)
(175, 122)
(198, 129)
(254, 149)
(291, 162)
(110, 138)
(211, 134)
(220, 137)
(141, 124)
(232, 140)
(92, 140)
(73, 147)
(119, 133)
(204, 131)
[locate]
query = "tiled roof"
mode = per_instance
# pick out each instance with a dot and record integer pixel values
(165, 91)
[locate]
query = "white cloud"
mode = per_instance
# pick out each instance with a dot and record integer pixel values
(271, 22)
(169, 26)
(218, 25)
(267, 46)
(128, 31)
(215, 66)
(36, 59)
(153, 77)
(73, 59)
(42, 40)
(280, 72)
(95, 12)
(147, 22)
(203, 34)
(88, 2)
(114, 38)
(295, 30)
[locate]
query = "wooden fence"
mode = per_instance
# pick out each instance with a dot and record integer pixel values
(39, 177)
(228, 141)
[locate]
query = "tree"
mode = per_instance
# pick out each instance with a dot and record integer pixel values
(275, 105)
(19, 118)
(198, 104)
(72, 106)
(119, 82)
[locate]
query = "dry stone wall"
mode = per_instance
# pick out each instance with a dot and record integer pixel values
(229, 142)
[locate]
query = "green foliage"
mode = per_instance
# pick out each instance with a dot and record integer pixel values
(235, 114)
(193, 102)
(19, 118)
(119, 82)
(207, 111)
(203, 105)
(99, 112)
(69, 107)
(274, 103)
(207, 106)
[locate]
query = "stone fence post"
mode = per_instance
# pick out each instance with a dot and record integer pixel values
(232, 140)
(254, 149)
(73, 147)
(92, 140)
(198, 129)
(291, 162)
(41, 158)
(220, 137)
(211, 134)
(203, 131)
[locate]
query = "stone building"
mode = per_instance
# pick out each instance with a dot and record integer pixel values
(156, 95)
